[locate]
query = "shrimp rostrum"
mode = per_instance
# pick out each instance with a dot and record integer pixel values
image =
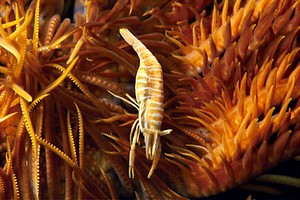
(149, 103)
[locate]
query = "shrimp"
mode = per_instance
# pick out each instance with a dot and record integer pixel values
(149, 103)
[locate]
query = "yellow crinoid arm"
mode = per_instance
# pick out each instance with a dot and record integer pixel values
(20, 91)
(10, 48)
(61, 78)
(36, 27)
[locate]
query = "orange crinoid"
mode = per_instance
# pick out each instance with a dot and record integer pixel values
(231, 90)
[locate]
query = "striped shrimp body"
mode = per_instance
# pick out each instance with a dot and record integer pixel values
(149, 102)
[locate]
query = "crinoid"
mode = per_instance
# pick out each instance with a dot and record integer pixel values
(230, 74)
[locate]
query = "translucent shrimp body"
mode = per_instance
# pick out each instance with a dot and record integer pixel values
(149, 100)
